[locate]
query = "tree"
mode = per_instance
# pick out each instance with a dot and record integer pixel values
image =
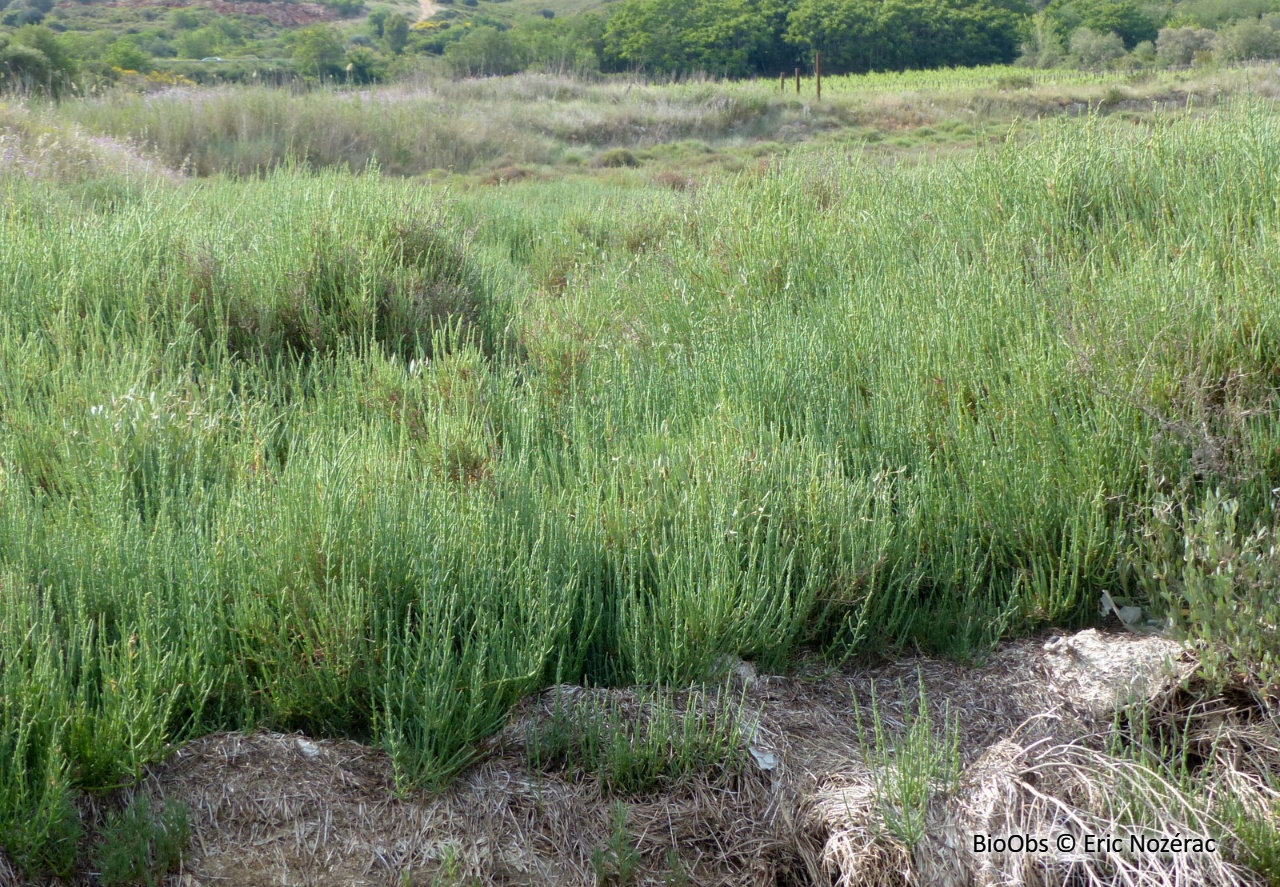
(561, 45)
(648, 34)
(1121, 17)
(41, 38)
(846, 32)
(126, 56)
(317, 51)
(199, 43)
(62, 67)
(1144, 53)
(1216, 13)
(773, 52)
(184, 20)
(363, 67)
(395, 30)
(865, 35)
(1092, 49)
(1043, 48)
(1251, 39)
(25, 68)
(1178, 46)
(485, 51)
(720, 37)
(27, 12)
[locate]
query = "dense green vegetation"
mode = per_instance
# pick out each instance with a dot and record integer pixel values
(347, 455)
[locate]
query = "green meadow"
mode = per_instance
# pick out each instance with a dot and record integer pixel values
(363, 456)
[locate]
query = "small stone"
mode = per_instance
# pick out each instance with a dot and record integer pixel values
(766, 759)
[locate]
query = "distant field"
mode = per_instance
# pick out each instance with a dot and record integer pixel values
(544, 126)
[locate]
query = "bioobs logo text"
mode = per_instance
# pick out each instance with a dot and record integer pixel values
(1010, 844)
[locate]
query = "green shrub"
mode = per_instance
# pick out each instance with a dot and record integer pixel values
(638, 748)
(1010, 82)
(1092, 49)
(1178, 46)
(1251, 39)
(126, 55)
(617, 862)
(909, 770)
(139, 845)
(615, 158)
(1192, 557)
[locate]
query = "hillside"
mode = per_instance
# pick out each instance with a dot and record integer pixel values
(74, 14)
(512, 10)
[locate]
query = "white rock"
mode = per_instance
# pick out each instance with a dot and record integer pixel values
(766, 759)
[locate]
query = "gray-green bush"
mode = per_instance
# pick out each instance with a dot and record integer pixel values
(1251, 39)
(1178, 46)
(1094, 49)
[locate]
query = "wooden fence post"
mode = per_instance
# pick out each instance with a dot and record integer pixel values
(817, 70)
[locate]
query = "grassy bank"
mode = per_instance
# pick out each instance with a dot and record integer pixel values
(345, 455)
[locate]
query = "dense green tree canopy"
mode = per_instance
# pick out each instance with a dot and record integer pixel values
(395, 30)
(562, 44)
(745, 37)
(41, 38)
(1121, 17)
(865, 35)
(484, 52)
(318, 50)
(125, 55)
(721, 37)
(24, 68)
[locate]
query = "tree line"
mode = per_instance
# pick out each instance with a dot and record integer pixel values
(720, 38)
(750, 38)
(746, 38)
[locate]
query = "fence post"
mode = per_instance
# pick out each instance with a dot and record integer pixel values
(797, 81)
(817, 70)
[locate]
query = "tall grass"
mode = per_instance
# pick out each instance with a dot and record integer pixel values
(463, 126)
(343, 455)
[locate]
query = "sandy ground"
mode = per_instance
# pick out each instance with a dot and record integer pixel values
(428, 10)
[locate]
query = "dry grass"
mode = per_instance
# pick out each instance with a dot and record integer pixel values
(39, 150)
(268, 808)
(492, 125)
